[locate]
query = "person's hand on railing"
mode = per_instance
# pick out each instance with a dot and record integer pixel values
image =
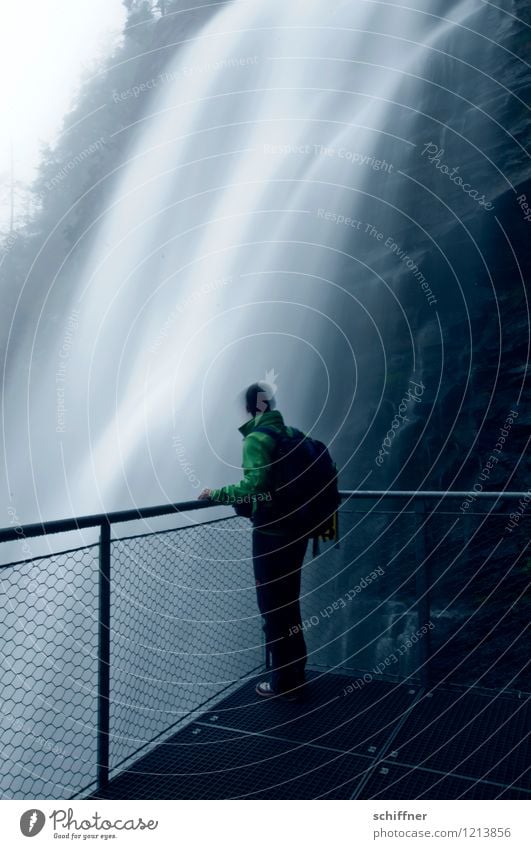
(204, 495)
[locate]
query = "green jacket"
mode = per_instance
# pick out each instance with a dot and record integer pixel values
(258, 451)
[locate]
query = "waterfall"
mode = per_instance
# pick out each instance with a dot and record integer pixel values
(259, 226)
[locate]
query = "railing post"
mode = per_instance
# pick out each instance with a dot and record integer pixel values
(104, 651)
(423, 592)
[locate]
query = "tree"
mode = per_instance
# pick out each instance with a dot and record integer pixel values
(138, 11)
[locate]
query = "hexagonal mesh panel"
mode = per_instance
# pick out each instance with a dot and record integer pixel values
(184, 626)
(358, 600)
(49, 675)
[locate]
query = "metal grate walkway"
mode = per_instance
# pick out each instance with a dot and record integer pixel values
(378, 740)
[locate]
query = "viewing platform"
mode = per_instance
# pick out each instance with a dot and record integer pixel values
(130, 662)
(381, 741)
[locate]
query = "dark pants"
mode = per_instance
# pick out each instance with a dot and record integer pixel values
(277, 562)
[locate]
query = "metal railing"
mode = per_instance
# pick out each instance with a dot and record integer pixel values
(103, 521)
(142, 648)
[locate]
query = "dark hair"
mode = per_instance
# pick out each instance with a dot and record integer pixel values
(259, 398)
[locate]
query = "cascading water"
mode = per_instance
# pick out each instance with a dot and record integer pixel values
(267, 220)
(288, 210)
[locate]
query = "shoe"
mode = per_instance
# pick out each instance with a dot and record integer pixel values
(265, 690)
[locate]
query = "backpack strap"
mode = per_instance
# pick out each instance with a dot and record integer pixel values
(268, 431)
(275, 433)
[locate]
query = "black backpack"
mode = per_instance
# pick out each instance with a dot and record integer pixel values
(303, 482)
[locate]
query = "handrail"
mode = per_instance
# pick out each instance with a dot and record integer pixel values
(56, 526)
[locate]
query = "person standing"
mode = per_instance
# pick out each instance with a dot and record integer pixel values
(278, 550)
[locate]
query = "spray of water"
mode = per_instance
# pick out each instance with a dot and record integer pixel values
(272, 145)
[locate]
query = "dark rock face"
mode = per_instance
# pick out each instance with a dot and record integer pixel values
(457, 214)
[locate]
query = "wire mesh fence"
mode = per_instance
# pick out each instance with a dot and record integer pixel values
(49, 675)
(479, 571)
(359, 600)
(438, 596)
(184, 626)
(413, 591)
